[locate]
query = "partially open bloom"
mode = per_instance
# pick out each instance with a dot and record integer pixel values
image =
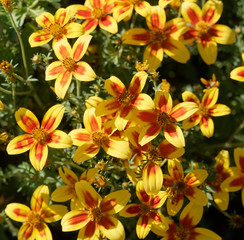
(147, 210)
(177, 186)
(39, 138)
(96, 12)
(124, 8)
(95, 135)
(207, 108)
(189, 218)
(97, 215)
(236, 182)
(34, 219)
(55, 27)
(223, 171)
(211, 83)
(203, 28)
(7, 4)
(163, 116)
(162, 38)
(124, 101)
(69, 64)
(67, 192)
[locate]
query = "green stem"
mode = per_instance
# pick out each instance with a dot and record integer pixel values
(21, 45)
(13, 96)
(100, 78)
(16, 93)
(226, 145)
(77, 88)
(133, 20)
(203, 2)
(70, 164)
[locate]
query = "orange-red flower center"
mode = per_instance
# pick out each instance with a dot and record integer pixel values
(202, 28)
(182, 233)
(125, 98)
(56, 30)
(98, 137)
(163, 118)
(95, 214)
(145, 209)
(158, 36)
(97, 13)
(34, 219)
(40, 135)
(69, 63)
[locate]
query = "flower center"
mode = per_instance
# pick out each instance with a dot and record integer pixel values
(95, 214)
(69, 64)
(134, 1)
(125, 98)
(34, 219)
(163, 118)
(152, 154)
(98, 137)
(5, 66)
(158, 36)
(40, 135)
(56, 30)
(97, 12)
(203, 110)
(145, 209)
(180, 186)
(181, 233)
(202, 27)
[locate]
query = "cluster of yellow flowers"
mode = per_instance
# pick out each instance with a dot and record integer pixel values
(125, 124)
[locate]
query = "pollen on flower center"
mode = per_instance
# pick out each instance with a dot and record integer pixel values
(95, 214)
(163, 118)
(180, 186)
(5, 66)
(158, 36)
(125, 98)
(40, 135)
(98, 137)
(34, 219)
(69, 64)
(97, 12)
(56, 30)
(145, 209)
(203, 110)
(152, 154)
(202, 27)
(181, 233)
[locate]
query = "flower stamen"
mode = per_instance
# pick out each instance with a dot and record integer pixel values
(40, 135)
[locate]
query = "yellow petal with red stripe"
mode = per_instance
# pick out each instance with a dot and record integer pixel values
(164, 3)
(91, 121)
(40, 38)
(208, 51)
(175, 169)
(38, 156)
(67, 175)
(62, 83)
(196, 177)
(143, 102)
(53, 117)
(196, 195)
(239, 158)
(80, 136)
(97, 3)
(109, 24)
(143, 8)
(62, 16)
(149, 133)
(152, 177)
(43, 232)
(175, 204)
(191, 121)
(190, 97)
(136, 36)
(80, 11)
(28, 231)
(176, 50)
(89, 25)
(26, 120)
(207, 126)
(204, 233)
(59, 139)
(89, 232)
(211, 11)
(143, 226)
(221, 199)
(108, 107)
(115, 201)
(62, 194)
(84, 72)
(222, 34)
(210, 97)
(54, 212)
(153, 54)
(158, 200)
(80, 46)
(87, 194)
(20, 144)
(233, 183)
(74, 220)
(17, 211)
(114, 86)
(141, 193)
(53, 70)
(45, 20)
(86, 151)
(174, 135)
(130, 210)
(157, 18)
(219, 110)
(138, 82)
(40, 198)
(163, 101)
(167, 150)
(175, 28)
(73, 30)
(122, 11)
(191, 12)
(238, 74)
(62, 49)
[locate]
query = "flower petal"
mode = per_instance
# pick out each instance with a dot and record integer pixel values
(53, 117)
(38, 156)
(62, 16)
(91, 121)
(136, 36)
(43, 233)
(45, 20)
(130, 210)
(190, 97)
(89, 232)
(59, 139)
(219, 110)
(114, 86)
(108, 106)
(80, 46)
(143, 226)
(208, 51)
(238, 74)
(207, 126)
(141, 193)
(163, 101)
(175, 169)
(196, 177)
(158, 200)
(67, 175)
(174, 135)
(196, 196)
(73, 30)
(210, 97)
(191, 121)
(222, 34)
(123, 11)
(143, 102)
(143, 8)
(80, 136)
(211, 12)
(148, 133)
(115, 201)
(62, 194)
(137, 83)
(62, 84)
(86, 151)
(54, 212)
(74, 220)
(28, 232)
(17, 211)
(109, 24)
(90, 25)
(204, 233)
(62, 49)
(53, 70)
(40, 38)
(191, 12)
(175, 204)
(233, 183)
(221, 199)
(87, 194)
(26, 120)
(156, 20)
(167, 150)
(84, 72)
(239, 158)
(81, 11)
(20, 144)
(40, 198)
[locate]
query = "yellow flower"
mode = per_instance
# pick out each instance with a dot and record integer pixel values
(34, 219)
(1, 105)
